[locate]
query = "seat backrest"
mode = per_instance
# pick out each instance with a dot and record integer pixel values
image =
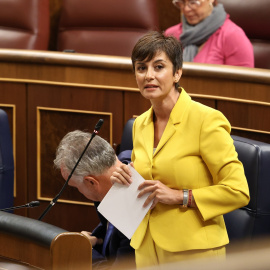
(6, 163)
(253, 220)
(104, 26)
(24, 24)
(253, 17)
(126, 140)
(28, 228)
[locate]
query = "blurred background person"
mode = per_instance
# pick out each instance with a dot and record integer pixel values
(209, 36)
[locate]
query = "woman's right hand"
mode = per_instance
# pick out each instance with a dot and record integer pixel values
(122, 175)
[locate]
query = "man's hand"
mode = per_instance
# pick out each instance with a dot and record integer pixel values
(94, 241)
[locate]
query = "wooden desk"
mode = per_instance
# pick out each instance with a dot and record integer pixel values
(28, 242)
(47, 94)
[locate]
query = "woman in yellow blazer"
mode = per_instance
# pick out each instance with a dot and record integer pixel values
(185, 152)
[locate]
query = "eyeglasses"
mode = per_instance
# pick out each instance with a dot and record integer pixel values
(192, 4)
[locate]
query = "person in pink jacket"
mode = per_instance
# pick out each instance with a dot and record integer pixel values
(209, 36)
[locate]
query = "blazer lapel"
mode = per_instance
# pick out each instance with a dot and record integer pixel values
(175, 119)
(167, 134)
(148, 134)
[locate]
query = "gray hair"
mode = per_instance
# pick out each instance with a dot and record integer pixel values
(97, 159)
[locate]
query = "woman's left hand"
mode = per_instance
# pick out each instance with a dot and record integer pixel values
(159, 193)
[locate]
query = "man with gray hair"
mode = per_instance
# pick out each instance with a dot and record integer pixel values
(92, 178)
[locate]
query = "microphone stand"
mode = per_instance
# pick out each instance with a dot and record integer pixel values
(55, 199)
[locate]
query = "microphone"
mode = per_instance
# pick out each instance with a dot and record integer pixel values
(55, 199)
(98, 126)
(28, 205)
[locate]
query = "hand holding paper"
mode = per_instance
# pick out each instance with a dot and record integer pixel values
(122, 208)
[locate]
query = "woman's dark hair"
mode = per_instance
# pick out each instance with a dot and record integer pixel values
(154, 42)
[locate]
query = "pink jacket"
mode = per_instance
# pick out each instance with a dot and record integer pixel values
(229, 45)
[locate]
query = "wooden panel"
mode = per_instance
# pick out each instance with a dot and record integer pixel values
(135, 105)
(248, 120)
(54, 111)
(49, 136)
(22, 250)
(83, 69)
(206, 101)
(242, 115)
(218, 81)
(101, 84)
(71, 217)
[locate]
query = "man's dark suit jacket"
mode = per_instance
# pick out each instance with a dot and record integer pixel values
(118, 248)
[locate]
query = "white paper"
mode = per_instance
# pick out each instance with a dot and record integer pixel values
(122, 208)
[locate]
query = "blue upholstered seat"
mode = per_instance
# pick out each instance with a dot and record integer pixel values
(6, 163)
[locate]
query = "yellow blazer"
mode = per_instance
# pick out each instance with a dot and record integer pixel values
(195, 152)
